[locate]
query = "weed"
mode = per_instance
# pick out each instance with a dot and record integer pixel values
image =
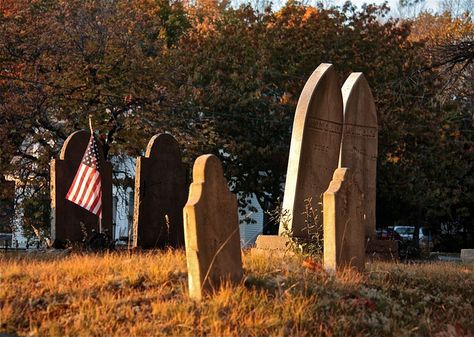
(311, 243)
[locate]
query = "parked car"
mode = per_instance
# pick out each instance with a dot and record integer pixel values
(407, 234)
(388, 234)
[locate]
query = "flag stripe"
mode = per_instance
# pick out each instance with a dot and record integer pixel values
(86, 180)
(92, 192)
(89, 189)
(75, 183)
(85, 183)
(93, 197)
(80, 183)
(98, 206)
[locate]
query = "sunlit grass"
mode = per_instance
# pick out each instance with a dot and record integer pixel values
(146, 295)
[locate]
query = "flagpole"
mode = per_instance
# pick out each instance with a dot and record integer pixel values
(90, 124)
(92, 135)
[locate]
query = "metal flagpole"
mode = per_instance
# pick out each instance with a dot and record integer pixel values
(92, 135)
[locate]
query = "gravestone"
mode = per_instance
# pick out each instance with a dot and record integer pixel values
(211, 228)
(160, 195)
(7, 204)
(314, 149)
(359, 142)
(344, 233)
(467, 255)
(66, 216)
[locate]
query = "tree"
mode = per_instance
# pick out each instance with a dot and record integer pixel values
(226, 81)
(63, 61)
(457, 8)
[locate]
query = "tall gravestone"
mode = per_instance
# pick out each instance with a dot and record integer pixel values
(160, 195)
(359, 142)
(211, 227)
(67, 216)
(344, 232)
(314, 149)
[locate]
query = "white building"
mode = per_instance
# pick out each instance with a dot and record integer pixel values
(251, 222)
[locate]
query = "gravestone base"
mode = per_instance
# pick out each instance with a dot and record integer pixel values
(271, 242)
(382, 250)
(467, 255)
(271, 245)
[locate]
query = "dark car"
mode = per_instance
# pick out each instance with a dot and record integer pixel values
(388, 234)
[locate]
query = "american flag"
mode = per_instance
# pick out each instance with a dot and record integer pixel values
(86, 188)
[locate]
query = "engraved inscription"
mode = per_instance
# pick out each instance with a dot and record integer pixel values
(368, 156)
(321, 148)
(361, 131)
(323, 125)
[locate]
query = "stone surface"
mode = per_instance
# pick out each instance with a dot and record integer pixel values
(272, 245)
(272, 242)
(315, 147)
(7, 202)
(467, 255)
(344, 234)
(160, 195)
(383, 250)
(211, 228)
(359, 142)
(65, 215)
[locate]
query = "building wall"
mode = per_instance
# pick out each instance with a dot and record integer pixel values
(251, 222)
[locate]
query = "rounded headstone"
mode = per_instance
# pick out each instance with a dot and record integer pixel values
(67, 217)
(160, 195)
(73, 148)
(161, 145)
(359, 142)
(314, 149)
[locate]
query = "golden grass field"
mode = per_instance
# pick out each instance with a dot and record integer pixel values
(146, 295)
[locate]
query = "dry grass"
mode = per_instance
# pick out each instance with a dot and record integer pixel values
(145, 295)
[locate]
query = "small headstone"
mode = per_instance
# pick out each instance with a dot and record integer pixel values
(382, 250)
(344, 234)
(160, 195)
(67, 216)
(211, 229)
(314, 149)
(467, 255)
(359, 143)
(272, 245)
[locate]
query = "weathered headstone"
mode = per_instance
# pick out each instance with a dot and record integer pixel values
(272, 245)
(7, 204)
(314, 149)
(67, 216)
(344, 234)
(160, 195)
(467, 255)
(382, 250)
(359, 142)
(211, 229)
